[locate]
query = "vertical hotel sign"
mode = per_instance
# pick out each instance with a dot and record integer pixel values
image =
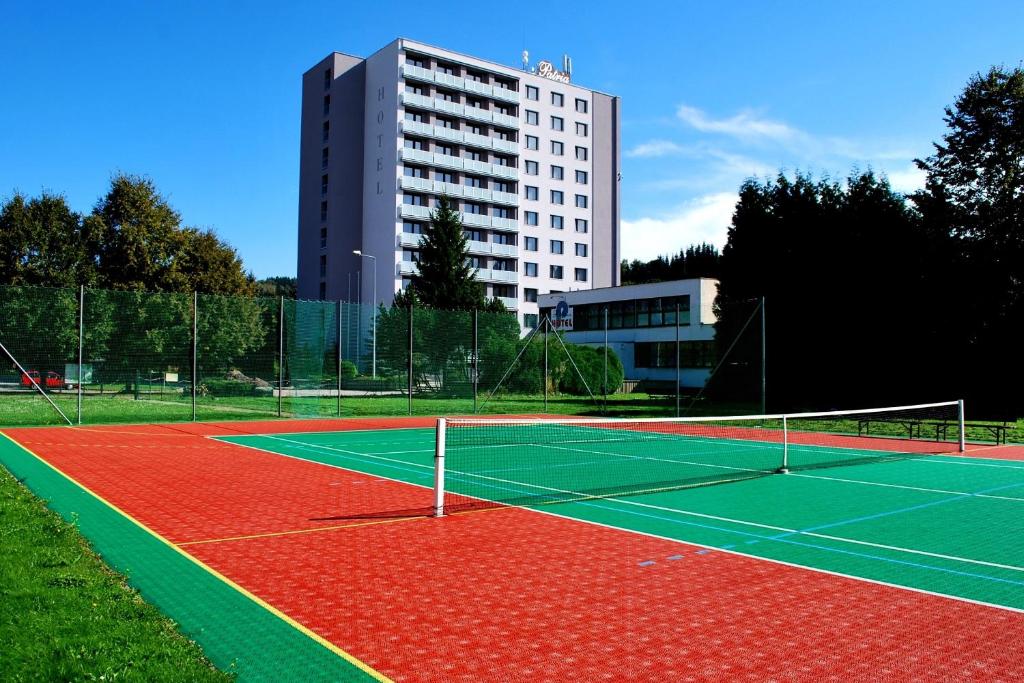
(380, 135)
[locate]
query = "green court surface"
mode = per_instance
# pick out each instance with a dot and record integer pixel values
(943, 524)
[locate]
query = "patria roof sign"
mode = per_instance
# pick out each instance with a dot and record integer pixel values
(548, 70)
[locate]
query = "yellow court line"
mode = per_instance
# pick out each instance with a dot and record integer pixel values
(301, 531)
(259, 601)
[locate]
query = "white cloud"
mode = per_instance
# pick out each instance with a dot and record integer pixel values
(705, 219)
(744, 125)
(907, 180)
(655, 148)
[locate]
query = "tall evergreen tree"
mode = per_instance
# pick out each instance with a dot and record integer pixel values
(446, 279)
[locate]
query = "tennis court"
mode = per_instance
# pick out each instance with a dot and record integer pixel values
(583, 549)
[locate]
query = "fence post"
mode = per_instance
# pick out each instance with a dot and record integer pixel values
(606, 360)
(81, 342)
(547, 329)
(339, 357)
(476, 357)
(679, 376)
(963, 427)
(764, 360)
(410, 355)
(280, 356)
(195, 345)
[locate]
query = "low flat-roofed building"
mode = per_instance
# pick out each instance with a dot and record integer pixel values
(642, 324)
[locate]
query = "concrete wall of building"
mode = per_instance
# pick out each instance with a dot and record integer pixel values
(607, 167)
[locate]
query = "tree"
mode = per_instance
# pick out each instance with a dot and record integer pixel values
(972, 209)
(42, 242)
(445, 279)
(697, 260)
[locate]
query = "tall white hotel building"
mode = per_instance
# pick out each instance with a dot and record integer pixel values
(530, 159)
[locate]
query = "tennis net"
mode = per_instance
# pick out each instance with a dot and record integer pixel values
(484, 462)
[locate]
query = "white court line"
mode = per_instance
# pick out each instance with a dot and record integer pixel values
(902, 486)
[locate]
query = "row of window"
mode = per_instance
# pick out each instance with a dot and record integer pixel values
(557, 99)
(452, 151)
(467, 207)
(654, 312)
(555, 246)
(556, 222)
(530, 269)
(692, 354)
(453, 178)
(557, 148)
(557, 197)
(453, 124)
(557, 123)
(456, 98)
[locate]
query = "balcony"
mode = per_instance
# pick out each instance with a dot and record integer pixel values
(475, 113)
(407, 268)
(415, 212)
(458, 163)
(413, 240)
(426, 75)
(510, 302)
(458, 136)
(474, 220)
(491, 275)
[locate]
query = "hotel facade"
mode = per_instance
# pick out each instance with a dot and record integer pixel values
(530, 160)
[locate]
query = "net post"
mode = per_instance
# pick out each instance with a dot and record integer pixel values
(195, 344)
(785, 447)
(960, 422)
(476, 357)
(81, 343)
(439, 468)
(547, 322)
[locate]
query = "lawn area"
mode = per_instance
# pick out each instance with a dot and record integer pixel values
(65, 615)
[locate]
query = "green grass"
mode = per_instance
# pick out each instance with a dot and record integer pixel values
(65, 615)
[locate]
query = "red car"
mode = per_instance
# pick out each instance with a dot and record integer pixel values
(51, 381)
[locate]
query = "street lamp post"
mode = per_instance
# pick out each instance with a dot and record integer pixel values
(359, 253)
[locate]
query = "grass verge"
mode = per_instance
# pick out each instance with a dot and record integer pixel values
(65, 615)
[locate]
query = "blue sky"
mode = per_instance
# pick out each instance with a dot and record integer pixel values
(203, 97)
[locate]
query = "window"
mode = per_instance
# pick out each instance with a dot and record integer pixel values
(415, 143)
(532, 168)
(475, 262)
(323, 185)
(473, 181)
(556, 272)
(503, 238)
(446, 69)
(474, 76)
(581, 201)
(477, 130)
(444, 176)
(504, 135)
(557, 173)
(581, 225)
(531, 218)
(530, 269)
(327, 131)
(323, 158)
(323, 211)
(414, 200)
(323, 265)
(581, 106)
(581, 177)
(557, 197)
(444, 123)
(692, 354)
(415, 89)
(323, 238)
(581, 153)
(557, 247)
(415, 61)
(499, 186)
(327, 79)
(474, 235)
(529, 295)
(470, 154)
(557, 222)
(476, 209)
(531, 192)
(581, 275)
(557, 123)
(447, 96)
(530, 319)
(530, 244)
(532, 117)
(532, 92)
(501, 212)
(499, 160)
(412, 228)
(557, 99)
(323, 291)
(581, 249)
(581, 129)
(557, 148)
(327, 105)
(416, 116)
(532, 142)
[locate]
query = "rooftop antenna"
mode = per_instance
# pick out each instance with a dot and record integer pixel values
(526, 60)
(567, 64)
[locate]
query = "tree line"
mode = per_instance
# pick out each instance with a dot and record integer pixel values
(873, 297)
(697, 260)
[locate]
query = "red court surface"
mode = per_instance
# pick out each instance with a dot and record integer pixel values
(513, 594)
